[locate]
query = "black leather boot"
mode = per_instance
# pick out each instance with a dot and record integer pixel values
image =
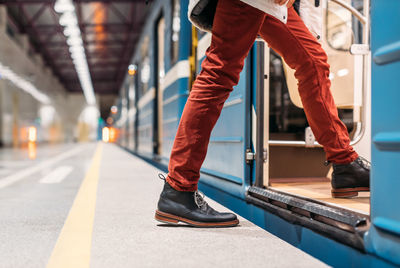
(190, 208)
(350, 179)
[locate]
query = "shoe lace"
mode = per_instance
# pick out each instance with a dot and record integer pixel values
(199, 199)
(161, 176)
(364, 162)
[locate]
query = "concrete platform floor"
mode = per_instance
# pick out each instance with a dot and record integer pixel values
(92, 205)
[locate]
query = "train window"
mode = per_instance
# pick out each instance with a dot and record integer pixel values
(160, 79)
(131, 92)
(176, 28)
(200, 34)
(161, 44)
(339, 32)
(145, 67)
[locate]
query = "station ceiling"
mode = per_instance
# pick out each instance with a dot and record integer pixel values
(110, 29)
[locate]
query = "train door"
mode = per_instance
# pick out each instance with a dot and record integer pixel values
(228, 142)
(126, 123)
(160, 73)
(286, 135)
(131, 112)
(384, 235)
(122, 118)
(136, 114)
(145, 105)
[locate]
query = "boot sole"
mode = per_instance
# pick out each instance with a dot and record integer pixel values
(348, 192)
(175, 220)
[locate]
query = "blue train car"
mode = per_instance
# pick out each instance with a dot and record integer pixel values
(263, 129)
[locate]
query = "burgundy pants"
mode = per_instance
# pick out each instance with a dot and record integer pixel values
(236, 26)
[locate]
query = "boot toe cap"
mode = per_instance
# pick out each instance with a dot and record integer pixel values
(227, 216)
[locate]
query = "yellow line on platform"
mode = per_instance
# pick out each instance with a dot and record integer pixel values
(74, 243)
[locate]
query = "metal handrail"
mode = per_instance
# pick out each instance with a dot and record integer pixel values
(363, 19)
(260, 119)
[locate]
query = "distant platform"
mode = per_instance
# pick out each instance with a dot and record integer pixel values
(93, 205)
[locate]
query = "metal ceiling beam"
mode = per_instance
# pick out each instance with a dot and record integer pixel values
(108, 26)
(107, 90)
(88, 28)
(37, 15)
(98, 81)
(60, 53)
(64, 65)
(59, 29)
(71, 82)
(118, 13)
(103, 62)
(106, 42)
(88, 25)
(103, 56)
(98, 43)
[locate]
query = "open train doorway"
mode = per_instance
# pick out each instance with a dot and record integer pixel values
(288, 139)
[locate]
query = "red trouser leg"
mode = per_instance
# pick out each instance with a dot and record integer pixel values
(302, 52)
(235, 28)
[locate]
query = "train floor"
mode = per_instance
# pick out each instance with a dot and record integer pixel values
(81, 205)
(320, 189)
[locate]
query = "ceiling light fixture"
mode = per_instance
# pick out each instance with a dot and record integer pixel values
(8, 74)
(132, 69)
(69, 20)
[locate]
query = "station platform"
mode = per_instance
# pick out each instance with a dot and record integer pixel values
(92, 205)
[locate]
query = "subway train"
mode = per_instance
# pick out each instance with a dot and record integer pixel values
(263, 161)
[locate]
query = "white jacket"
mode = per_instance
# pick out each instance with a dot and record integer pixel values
(269, 7)
(201, 13)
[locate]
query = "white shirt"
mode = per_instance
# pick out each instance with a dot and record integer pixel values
(270, 7)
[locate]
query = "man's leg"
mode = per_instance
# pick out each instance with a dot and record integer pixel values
(302, 52)
(235, 28)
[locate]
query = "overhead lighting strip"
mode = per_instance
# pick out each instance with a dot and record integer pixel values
(8, 74)
(69, 20)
